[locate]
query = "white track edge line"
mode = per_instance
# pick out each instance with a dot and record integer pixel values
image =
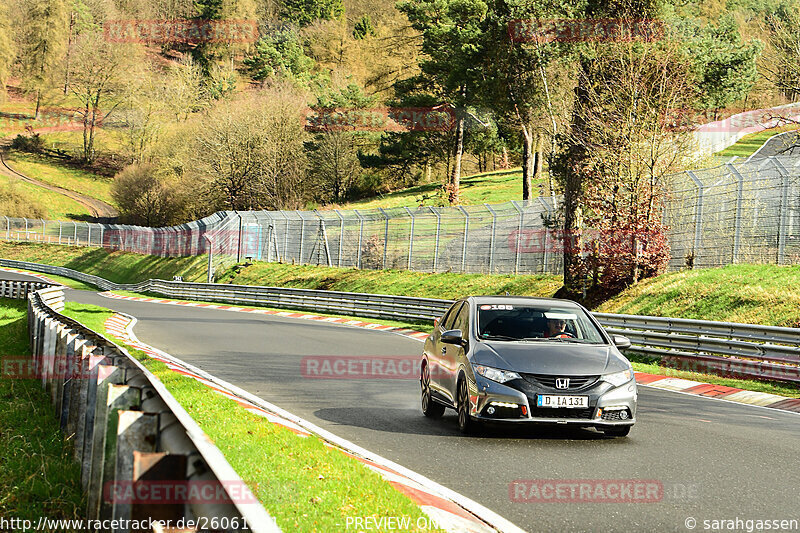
(487, 515)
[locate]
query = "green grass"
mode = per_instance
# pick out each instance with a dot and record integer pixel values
(304, 484)
(49, 170)
(751, 294)
(56, 206)
(38, 476)
(488, 187)
(120, 267)
(748, 144)
(401, 282)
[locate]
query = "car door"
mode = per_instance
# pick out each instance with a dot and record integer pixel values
(438, 359)
(453, 354)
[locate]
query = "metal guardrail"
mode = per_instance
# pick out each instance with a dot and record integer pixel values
(127, 428)
(736, 350)
(19, 290)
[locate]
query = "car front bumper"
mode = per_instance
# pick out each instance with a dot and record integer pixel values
(606, 404)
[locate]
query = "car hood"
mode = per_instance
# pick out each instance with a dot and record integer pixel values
(563, 359)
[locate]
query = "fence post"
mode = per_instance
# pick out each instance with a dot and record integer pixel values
(239, 241)
(436, 245)
(698, 216)
(493, 235)
(783, 223)
(44, 228)
(737, 235)
(302, 236)
(466, 236)
(519, 237)
(360, 236)
(27, 237)
(210, 275)
(75, 237)
(385, 236)
(88, 234)
(8, 228)
(341, 237)
(60, 228)
(546, 240)
(410, 238)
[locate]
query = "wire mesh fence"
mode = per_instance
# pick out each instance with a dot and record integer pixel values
(747, 212)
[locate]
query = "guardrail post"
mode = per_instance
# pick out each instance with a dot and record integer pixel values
(120, 398)
(106, 376)
(158, 466)
(136, 431)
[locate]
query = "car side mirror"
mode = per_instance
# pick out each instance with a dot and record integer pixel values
(621, 342)
(452, 336)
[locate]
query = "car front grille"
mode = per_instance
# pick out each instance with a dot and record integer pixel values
(539, 412)
(549, 381)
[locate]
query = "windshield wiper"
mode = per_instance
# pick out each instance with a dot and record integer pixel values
(487, 336)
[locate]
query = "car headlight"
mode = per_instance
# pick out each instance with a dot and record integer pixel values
(500, 376)
(619, 378)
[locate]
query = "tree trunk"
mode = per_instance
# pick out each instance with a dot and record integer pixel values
(537, 160)
(504, 162)
(455, 178)
(573, 182)
(527, 162)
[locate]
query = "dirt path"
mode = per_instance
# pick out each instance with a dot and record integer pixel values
(101, 211)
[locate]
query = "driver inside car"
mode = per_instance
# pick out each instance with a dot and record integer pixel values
(555, 328)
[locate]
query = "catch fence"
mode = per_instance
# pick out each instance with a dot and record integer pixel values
(746, 212)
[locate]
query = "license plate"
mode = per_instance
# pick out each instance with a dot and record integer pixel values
(569, 402)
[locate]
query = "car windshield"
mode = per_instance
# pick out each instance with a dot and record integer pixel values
(509, 322)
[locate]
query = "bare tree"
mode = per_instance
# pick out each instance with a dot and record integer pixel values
(99, 75)
(249, 152)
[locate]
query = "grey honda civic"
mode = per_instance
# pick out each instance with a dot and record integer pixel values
(519, 360)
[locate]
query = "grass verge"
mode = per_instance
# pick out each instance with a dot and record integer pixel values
(488, 187)
(400, 282)
(119, 267)
(49, 171)
(747, 145)
(304, 484)
(56, 206)
(38, 477)
(750, 294)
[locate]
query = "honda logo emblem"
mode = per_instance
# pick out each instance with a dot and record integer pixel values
(562, 383)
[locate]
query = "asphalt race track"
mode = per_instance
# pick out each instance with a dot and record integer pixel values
(715, 460)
